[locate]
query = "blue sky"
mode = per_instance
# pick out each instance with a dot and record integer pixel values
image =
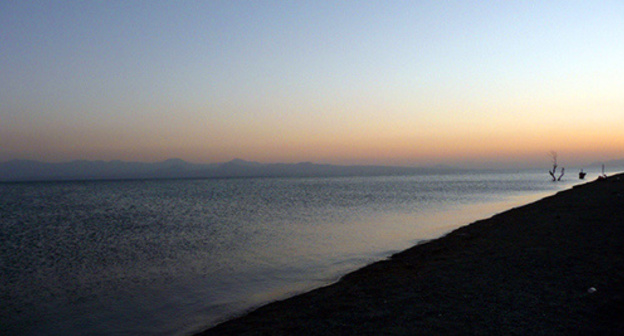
(386, 82)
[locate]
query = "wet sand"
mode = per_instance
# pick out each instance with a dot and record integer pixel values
(553, 267)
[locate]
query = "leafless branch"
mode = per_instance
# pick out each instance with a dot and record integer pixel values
(553, 156)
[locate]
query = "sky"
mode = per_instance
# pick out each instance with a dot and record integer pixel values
(413, 83)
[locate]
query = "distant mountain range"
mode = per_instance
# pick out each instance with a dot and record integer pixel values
(27, 170)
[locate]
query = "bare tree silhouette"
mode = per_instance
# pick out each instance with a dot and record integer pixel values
(553, 172)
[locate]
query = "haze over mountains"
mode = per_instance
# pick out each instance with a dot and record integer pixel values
(28, 170)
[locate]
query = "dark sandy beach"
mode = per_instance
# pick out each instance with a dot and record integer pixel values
(553, 267)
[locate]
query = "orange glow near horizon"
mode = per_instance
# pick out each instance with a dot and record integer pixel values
(480, 84)
(475, 143)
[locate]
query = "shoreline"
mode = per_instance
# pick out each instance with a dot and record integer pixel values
(554, 266)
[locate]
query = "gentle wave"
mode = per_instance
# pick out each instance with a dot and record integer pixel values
(173, 256)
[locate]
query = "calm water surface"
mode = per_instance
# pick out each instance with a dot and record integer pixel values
(175, 256)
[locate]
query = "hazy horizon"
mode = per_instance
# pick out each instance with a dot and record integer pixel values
(472, 85)
(616, 164)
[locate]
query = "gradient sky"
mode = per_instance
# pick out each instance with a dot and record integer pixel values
(468, 83)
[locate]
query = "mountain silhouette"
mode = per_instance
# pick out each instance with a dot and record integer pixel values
(28, 170)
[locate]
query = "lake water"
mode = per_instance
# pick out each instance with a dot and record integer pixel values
(162, 257)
